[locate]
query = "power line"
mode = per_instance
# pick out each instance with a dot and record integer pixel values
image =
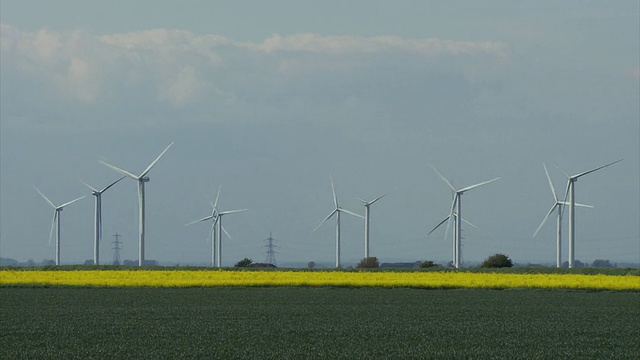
(271, 253)
(116, 249)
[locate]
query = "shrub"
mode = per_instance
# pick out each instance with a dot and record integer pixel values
(368, 263)
(244, 263)
(428, 264)
(497, 261)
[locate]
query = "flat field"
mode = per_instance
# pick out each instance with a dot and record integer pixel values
(316, 322)
(389, 279)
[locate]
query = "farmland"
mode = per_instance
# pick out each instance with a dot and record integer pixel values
(316, 322)
(217, 278)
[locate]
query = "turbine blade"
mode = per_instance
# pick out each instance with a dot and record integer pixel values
(553, 189)
(200, 220)
(213, 226)
(350, 212)
(124, 172)
(469, 223)
(71, 202)
(453, 205)
(378, 198)
(439, 224)
(89, 186)
(110, 185)
(53, 224)
(566, 194)
(325, 219)
(333, 189)
(576, 204)
(583, 205)
(596, 169)
(231, 211)
(564, 172)
(44, 197)
(215, 205)
(443, 178)
(477, 185)
(155, 161)
(225, 231)
(545, 219)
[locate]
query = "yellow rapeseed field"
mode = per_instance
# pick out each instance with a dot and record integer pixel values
(211, 278)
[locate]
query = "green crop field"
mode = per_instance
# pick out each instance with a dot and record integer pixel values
(303, 322)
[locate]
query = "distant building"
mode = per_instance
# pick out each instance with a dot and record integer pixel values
(401, 265)
(262, 265)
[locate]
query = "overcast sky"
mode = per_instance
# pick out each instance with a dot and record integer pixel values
(268, 99)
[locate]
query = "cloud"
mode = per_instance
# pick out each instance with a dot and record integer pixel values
(382, 44)
(165, 73)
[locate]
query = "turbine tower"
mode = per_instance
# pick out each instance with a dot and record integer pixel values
(557, 205)
(141, 179)
(456, 207)
(214, 216)
(571, 180)
(367, 205)
(98, 218)
(56, 221)
(337, 210)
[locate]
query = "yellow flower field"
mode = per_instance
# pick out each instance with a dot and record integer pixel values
(212, 278)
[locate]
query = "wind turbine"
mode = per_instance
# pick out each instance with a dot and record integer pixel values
(98, 218)
(141, 179)
(455, 220)
(556, 205)
(367, 205)
(456, 208)
(214, 216)
(220, 229)
(56, 221)
(571, 180)
(337, 210)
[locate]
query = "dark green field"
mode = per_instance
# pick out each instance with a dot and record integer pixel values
(365, 323)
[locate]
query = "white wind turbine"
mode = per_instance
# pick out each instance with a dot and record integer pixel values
(455, 220)
(367, 205)
(141, 179)
(214, 218)
(556, 205)
(571, 180)
(56, 221)
(97, 227)
(456, 208)
(220, 228)
(337, 210)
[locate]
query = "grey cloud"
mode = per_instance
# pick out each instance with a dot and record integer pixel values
(176, 72)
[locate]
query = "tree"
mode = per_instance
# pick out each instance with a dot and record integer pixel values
(428, 264)
(368, 263)
(311, 264)
(497, 261)
(244, 263)
(601, 263)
